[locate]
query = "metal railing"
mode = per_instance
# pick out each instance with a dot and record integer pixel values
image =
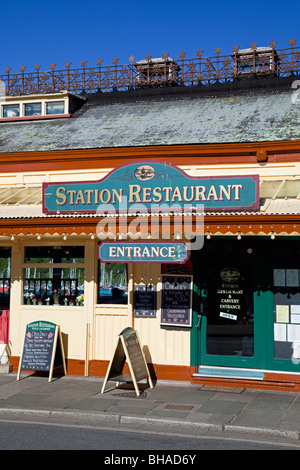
(150, 72)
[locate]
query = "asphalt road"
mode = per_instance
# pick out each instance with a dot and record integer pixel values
(21, 433)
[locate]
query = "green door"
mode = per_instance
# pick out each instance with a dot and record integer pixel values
(228, 304)
(247, 304)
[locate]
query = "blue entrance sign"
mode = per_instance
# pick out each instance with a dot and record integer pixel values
(143, 252)
(151, 185)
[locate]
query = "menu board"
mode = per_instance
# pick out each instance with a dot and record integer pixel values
(41, 352)
(128, 348)
(176, 300)
(144, 301)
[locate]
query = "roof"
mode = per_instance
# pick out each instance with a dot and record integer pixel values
(165, 119)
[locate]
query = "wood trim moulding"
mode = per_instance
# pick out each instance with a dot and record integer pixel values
(281, 151)
(227, 224)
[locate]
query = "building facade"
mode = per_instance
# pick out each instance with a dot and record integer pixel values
(173, 210)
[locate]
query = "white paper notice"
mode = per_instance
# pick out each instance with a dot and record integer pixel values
(279, 332)
(279, 277)
(293, 333)
(292, 277)
(296, 350)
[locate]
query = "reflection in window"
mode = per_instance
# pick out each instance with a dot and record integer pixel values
(5, 267)
(51, 254)
(33, 109)
(56, 107)
(48, 285)
(112, 283)
(11, 110)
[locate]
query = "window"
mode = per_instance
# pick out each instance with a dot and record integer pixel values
(56, 107)
(11, 110)
(112, 283)
(54, 275)
(33, 109)
(26, 108)
(5, 263)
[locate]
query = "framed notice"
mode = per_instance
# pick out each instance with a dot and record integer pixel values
(144, 304)
(43, 348)
(176, 300)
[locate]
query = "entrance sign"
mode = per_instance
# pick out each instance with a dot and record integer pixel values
(128, 348)
(136, 252)
(144, 303)
(176, 300)
(43, 348)
(150, 185)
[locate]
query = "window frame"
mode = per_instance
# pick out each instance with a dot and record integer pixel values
(22, 115)
(110, 304)
(50, 265)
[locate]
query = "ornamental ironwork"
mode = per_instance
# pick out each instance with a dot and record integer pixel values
(156, 72)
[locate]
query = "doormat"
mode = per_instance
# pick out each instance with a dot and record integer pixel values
(218, 388)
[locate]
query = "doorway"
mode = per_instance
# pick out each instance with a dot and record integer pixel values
(247, 304)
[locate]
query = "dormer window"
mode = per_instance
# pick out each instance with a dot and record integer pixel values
(42, 106)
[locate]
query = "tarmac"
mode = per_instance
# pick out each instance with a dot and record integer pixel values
(168, 404)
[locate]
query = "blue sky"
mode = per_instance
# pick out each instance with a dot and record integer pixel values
(40, 32)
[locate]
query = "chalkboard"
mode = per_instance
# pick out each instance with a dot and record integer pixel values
(176, 300)
(144, 301)
(41, 350)
(128, 348)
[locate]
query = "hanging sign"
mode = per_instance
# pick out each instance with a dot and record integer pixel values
(43, 348)
(141, 252)
(128, 349)
(176, 300)
(151, 185)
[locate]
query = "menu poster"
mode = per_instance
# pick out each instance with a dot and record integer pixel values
(128, 349)
(144, 301)
(176, 300)
(42, 351)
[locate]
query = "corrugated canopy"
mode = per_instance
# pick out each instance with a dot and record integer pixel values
(277, 196)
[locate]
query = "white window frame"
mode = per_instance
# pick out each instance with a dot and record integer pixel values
(43, 102)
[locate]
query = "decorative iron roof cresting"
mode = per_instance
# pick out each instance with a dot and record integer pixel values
(260, 61)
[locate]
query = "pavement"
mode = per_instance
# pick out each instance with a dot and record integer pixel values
(174, 404)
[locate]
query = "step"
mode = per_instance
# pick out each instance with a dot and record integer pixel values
(229, 372)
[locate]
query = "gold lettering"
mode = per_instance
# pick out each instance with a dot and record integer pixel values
(80, 197)
(134, 192)
(60, 193)
(212, 193)
(226, 192)
(157, 196)
(71, 193)
(177, 194)
(200, 190)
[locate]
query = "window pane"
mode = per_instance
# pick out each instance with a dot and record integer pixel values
(33, 109)
(64, 286)
(50, 254)
(5, 264)
(112, 283)
(57, 107)
(11, 110)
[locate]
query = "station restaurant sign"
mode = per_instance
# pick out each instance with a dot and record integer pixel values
(149, 186)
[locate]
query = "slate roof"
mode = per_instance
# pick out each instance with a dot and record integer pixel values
(169, 119)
